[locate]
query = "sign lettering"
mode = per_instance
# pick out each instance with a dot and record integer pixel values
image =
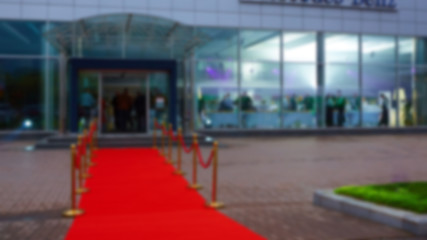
(377, 5)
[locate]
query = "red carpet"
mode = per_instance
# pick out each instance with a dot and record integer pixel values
(134, 195)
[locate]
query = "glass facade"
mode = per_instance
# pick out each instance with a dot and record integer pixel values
(28, 76)
(288, 80)
(227, 78)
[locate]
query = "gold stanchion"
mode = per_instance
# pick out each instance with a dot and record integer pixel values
(195, 185)
(163, 140)
(214, 203)
(178, 168)
(95, 136)
(91, 144)
(91, 154)
(74, 211)
(81, 188)
(155, 135)
(85, 156)
(170, 160)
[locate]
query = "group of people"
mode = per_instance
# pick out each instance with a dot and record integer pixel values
(129, 112)
(335, 103)
(246, 104)
(227, 105)
(340, 104)
(123, 104)
(336, 106)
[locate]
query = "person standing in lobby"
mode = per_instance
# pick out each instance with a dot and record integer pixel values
(115, 104)
(226, 104)
(87, 103)
(246, 106)
(330, 104)
(340, 104)
(140, 105)
(124, 106)
(384, 121)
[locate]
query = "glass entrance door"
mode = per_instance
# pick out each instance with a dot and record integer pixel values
(159, 100)
(124, 103)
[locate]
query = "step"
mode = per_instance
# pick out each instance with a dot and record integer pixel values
(62, 142)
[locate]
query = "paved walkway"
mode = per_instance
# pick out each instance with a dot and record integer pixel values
(267, 185)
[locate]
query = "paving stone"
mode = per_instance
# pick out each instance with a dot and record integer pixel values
(266, 184)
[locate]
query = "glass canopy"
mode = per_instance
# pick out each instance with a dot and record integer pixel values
(129, 36)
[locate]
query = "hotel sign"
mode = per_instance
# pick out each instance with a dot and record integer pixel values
(376, 5)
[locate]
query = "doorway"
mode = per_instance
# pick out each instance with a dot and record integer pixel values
(100, 79)
(129, 101)
(124, 102)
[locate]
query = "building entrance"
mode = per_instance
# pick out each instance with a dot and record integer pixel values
(124, 102)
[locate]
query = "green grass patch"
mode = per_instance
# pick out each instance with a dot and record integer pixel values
(410, 196)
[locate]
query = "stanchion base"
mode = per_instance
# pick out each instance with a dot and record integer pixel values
(86, 175)
(179, 172)
(216, 205)
(195, 186)
(82, 190)
(73, 213)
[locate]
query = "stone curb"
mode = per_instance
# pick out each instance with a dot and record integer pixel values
(411, 222)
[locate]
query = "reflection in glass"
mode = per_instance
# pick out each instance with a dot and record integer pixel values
(407, 97)
(379, 49)
(21, 94)
(300, 47)
(51, 94)
(216, 80)
(341, 48)
(301, 96)
(260, 86)
(23, 37)
(88, 98)
(300, 80)
(407, 50)
(342, 99)
(260, 45)
(379, 96)
(216, 94)
(159, 102)
(420, 98)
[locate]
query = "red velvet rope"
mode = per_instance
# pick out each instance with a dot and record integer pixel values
(78, 155)
(82, 147)
(77, 161)
(90, 132)
(174, 138)
(157, 125)
(164, 130)
(187, 150)
(200, 156)
(89, 136)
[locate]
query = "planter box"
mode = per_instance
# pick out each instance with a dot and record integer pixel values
(411, 222)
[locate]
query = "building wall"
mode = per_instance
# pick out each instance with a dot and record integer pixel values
(410, 18)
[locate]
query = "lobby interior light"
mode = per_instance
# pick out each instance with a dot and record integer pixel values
(303, 53)
(28, 123)
(290, 37)
(250, 69)
(378, 47)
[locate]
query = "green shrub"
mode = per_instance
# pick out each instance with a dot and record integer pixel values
(410, 196)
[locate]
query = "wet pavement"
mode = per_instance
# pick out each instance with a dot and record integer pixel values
(266, 184)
